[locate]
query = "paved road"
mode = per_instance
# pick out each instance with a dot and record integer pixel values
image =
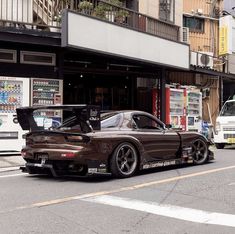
(192, 199)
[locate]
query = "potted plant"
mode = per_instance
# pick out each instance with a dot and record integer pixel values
(85, 7)
(109, 12)
(121, 15)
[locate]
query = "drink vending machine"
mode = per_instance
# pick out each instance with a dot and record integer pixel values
(175, 108)
(14, 93)
(194, 110)
(47, 92)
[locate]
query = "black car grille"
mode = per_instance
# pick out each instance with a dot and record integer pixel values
(226, 136)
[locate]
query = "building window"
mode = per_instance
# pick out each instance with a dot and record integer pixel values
(40, 58)
(167, 10)
(7, 56)
(194, 24)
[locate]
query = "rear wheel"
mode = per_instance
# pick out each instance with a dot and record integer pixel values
(199, 151)
(219, 145)
(124, 160)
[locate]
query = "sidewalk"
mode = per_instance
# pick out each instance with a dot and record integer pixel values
(11, 162)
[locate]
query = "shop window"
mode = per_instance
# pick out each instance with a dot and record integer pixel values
(167, 10)
(194, 24)
(7, 56)
(40, 58)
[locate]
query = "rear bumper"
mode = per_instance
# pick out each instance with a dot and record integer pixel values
(37, 168)
(45, 168)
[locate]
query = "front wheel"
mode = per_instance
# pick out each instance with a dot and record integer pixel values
(199, 151)
(124, 160)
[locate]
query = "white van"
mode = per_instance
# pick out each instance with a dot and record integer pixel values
(225, 125)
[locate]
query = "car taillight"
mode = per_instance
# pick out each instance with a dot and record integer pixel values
(77, 138)
(74, 138)
(23, 153)
(68, 155)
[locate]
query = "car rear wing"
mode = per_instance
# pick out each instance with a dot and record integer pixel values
(87, 113)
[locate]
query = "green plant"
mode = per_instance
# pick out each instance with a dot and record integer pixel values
(85, 6)
(121, 15)
(106, 11)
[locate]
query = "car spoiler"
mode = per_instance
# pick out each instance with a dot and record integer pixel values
(88, 113)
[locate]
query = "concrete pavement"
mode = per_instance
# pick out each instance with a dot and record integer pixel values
(10, 162)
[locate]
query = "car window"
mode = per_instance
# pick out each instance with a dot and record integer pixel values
(110, 120)
(146, 122)
(228, 109)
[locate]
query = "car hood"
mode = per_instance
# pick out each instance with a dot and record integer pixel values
(88, 113)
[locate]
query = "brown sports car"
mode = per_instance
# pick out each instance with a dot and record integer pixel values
(79, 140)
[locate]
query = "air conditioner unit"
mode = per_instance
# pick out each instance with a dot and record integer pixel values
(185, 34)
(202, 59)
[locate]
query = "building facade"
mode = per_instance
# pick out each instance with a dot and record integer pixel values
(114, 53)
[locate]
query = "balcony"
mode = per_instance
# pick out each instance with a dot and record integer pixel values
(99, 26)
(45, 15)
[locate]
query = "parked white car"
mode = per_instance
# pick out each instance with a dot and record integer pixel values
(225, 125)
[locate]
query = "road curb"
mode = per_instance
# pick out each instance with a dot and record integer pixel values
(6, 169)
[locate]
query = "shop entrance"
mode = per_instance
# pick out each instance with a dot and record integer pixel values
(111, 93)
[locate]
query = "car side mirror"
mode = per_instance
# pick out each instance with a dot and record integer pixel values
(168, 126)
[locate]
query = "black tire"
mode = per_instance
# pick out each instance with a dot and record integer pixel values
(219, 145)
(200, 151)
(124, 160)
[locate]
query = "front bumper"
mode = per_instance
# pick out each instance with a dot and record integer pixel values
(211, 155)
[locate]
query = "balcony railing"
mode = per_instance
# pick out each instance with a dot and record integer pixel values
(46, 15)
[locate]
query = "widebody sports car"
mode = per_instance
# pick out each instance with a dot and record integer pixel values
(79, 140)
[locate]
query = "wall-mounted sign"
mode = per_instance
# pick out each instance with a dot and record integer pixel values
(226, 25)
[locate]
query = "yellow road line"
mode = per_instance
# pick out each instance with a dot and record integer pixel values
(128, 188)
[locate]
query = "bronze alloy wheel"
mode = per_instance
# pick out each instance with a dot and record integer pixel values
(200, 151)
(124, 160)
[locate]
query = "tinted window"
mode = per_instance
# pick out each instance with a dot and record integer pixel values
(145, 122)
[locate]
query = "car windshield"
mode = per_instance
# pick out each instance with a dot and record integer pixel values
(110, 120)
(228, 109)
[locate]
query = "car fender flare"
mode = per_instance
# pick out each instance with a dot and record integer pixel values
(135, 142)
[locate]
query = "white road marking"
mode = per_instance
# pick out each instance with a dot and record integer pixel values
(128, 188)
(177, 212)
(14, 175)
(232, 183)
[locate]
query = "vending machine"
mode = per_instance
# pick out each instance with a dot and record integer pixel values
(14, 93)
(175, 108)
(194, 110)
(47, 92)
(156, 102)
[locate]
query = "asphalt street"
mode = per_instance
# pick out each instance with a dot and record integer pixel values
(186, 199)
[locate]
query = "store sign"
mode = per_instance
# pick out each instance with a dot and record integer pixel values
(226, 25)
(223, 36)
(90, 34)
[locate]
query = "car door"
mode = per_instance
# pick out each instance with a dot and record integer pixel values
(159, 143)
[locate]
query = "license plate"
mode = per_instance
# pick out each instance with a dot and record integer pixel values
(42, 156)
(231, 140)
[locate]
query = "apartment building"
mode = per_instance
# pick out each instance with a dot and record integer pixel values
(200, 21)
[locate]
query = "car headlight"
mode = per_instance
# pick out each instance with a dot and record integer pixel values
(217, 127)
